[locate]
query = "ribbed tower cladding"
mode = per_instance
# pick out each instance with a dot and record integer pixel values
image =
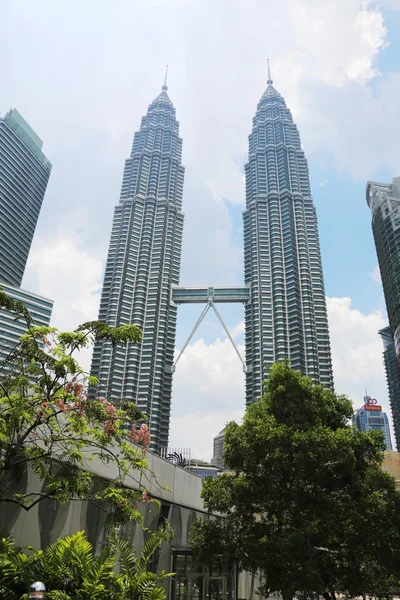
(286, 315)
(143, 263)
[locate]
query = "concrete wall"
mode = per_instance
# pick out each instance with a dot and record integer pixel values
(49, 520)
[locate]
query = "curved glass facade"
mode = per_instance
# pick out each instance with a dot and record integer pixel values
(24, 174)
(142, 265)
(384, 202)
(286, 315)
(392, 378)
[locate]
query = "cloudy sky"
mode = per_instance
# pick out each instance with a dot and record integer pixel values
(83, 74)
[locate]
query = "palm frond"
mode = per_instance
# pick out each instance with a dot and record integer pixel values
(151, 544)
(126, 555)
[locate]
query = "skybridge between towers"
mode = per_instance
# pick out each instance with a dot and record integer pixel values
(210, 296)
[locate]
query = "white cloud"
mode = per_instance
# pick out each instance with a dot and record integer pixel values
(357, 353)
(217, 54)
(390, 4)
(356, 349)
(208, 392)
(238, 330)
(376, 275)
(354, 125)
(58, 269)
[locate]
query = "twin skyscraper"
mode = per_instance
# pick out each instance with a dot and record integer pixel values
(285, 309)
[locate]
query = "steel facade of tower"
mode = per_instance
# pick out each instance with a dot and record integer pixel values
(384, 201)
(142, 266)
(392, 378)
(286, 315)
(24, 174)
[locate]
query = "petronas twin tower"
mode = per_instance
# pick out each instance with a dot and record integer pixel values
(285, 314)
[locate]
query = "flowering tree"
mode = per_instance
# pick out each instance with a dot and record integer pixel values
(47, 422)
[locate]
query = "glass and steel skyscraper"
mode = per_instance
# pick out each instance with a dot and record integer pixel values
(370, 417)
(143, 263)
(392, 378)
(11, 329)
(286, 315)
(384, 201)
(24, 174)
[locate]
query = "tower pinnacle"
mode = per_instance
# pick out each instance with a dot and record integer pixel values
(165, 87)
(269, 80)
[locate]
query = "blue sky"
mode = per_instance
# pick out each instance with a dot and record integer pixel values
(83, 74)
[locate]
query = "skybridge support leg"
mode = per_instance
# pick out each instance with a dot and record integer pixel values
(209, 305)
(191, 334)
(229, 336)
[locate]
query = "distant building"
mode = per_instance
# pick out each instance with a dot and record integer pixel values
(219, 449)
(203, 469)
(393, 379)
(10, 329)
(24, 174)
(391, 464)
(370, 417)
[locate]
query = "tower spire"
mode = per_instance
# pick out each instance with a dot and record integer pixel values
(165, 87)
(269, 80)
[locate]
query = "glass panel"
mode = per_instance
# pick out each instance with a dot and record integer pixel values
(189, 588)
(195, 589)
(214, 590)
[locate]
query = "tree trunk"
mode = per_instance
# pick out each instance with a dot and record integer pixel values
(253, 576)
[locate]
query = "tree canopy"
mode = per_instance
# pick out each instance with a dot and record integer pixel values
(48, 423)
(305, 501)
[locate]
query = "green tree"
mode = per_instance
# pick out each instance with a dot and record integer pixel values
(306, 501)
(47, 422)
(72, 572)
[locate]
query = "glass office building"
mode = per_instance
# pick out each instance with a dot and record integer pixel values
(10, 329)
(218, 449)
(24, 174)
(370, 417)
(392, 378)
(142, 265)
(286, 315)
(383, 200)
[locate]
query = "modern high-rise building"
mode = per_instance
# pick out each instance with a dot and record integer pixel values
(384, 201)
(218, 449)
(11, 330)
(393, 379)
(286, 315)
(370, 417)
(24, 174)
(142, 265)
